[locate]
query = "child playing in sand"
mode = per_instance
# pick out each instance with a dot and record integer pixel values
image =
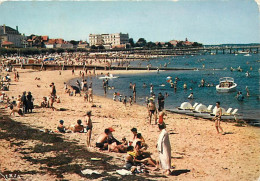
(161, 115)
(130, 100)
(86, 97)
(114, 96)
(125, 100)
(14, 110)
(120, 98)
(90, 94)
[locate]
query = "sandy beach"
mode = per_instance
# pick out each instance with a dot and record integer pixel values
(198, 152)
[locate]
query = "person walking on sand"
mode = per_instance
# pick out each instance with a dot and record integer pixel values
(88, 127)
(53, 89)
(90, 94)
(217, 118)
(164, 148)
(134, 92)
(152, 110)
(160, 101)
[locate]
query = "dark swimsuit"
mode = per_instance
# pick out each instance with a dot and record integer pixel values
(152, 111)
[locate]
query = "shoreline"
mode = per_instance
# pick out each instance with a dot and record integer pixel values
(255, 122)
(195, 144)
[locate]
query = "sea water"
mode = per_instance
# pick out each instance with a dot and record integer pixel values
(211, 69)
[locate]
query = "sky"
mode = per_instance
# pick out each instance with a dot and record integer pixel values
(204, 21)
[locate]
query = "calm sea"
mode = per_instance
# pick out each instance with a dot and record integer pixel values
(216, 66)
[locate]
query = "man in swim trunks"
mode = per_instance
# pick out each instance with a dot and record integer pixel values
(152, 110)
(79, 128)
(102, 141)
(217, 118)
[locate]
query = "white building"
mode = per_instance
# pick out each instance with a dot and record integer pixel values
(108, 39)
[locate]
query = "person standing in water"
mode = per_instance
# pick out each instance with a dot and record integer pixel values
(134, 93)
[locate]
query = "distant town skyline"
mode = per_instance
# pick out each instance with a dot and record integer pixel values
(207, 22)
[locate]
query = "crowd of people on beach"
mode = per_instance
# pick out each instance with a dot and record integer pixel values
(135, 148)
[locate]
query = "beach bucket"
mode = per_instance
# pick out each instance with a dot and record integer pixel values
(186, 105)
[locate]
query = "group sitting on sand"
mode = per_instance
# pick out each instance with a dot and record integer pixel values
(78, 128)
(136, 149)
(137, 156)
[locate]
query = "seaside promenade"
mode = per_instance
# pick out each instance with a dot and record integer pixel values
(198, 152)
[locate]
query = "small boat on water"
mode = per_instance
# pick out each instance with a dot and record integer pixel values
(226, 84)
(247, 55)
(110, 76)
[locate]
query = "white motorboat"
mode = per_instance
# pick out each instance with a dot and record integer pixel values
(110, 76)
(226, 84)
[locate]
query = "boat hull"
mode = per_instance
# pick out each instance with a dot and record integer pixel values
(226, 89)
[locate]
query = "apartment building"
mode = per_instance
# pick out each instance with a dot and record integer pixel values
(108, 39)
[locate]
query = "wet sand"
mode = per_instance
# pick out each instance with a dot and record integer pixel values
(198, 152)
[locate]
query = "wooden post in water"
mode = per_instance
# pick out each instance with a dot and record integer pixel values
(223, 51)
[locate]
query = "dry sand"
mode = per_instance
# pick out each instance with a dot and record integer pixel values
(198, 152)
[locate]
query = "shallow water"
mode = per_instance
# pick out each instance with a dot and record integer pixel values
(206, 95)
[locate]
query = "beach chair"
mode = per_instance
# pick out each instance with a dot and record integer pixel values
(209, 109)
(200, 108)
(195, 105)
(234, 111)
(228, 112)
(233, 116)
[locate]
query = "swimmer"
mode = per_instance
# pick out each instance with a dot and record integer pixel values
(190, 96)
(184, 86)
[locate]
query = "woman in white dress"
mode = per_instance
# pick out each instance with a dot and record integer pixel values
(164, 148)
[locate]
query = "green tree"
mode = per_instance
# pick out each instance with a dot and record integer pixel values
(73, 42)
(60, 50)
(169, 45)
(196, 44)
(101, 47)
(131, 41)
(179, 44)
(93, 47)
(159, 45)
(43, 50)
(142, 42)
(51, 50)
(71, 50)
(151, 44)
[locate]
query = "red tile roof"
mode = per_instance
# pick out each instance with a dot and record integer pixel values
(7, 43)
(56, 41)
(45, 38)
